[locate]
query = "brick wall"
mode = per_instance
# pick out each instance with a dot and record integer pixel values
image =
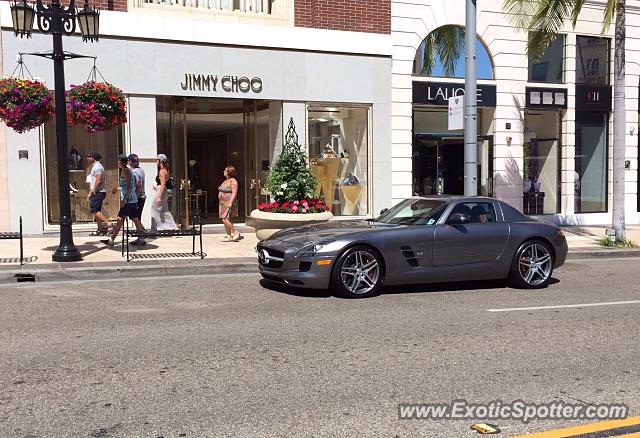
(372, 16)
(110, 5)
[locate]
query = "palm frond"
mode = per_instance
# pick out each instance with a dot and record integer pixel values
(428, 58)
(542, 18)
(445, 43)
(519, 12)
(609, 13)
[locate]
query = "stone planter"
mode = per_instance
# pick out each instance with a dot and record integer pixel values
(267, 224)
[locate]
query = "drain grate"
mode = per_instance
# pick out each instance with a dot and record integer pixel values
(25, 277)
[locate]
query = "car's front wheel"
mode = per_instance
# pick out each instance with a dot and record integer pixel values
(357, 273)
(532, 265)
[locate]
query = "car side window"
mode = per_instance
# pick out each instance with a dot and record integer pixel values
(483, 212)
(478, 212)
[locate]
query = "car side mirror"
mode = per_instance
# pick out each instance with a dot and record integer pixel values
(383, 211)
(458, 219)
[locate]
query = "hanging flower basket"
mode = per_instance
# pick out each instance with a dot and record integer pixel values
(25, 104)
(97, 105)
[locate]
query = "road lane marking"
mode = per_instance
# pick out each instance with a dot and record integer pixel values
(565, 306)
(603, 429)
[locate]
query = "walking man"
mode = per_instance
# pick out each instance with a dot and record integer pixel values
(138, 173)
(97, 193)
(128, 200)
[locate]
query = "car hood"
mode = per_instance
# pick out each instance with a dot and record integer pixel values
(309, 234)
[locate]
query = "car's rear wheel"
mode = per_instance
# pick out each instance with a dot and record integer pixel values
(357, 273)
(532, 265)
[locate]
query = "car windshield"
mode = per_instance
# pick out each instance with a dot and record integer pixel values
(414, 212)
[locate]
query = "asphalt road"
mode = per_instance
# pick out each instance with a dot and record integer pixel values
(219, 356)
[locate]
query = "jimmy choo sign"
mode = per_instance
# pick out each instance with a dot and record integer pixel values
(227, 83)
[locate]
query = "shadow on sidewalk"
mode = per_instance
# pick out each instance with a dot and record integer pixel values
(584, 232)
(85, 249)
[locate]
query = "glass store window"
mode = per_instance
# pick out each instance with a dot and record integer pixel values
(338, 156)
(592, 60)
(590, 179)
(108, 144)
(550, 67)
(541, 179)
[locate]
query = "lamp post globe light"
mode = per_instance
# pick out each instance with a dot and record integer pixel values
(57, 19)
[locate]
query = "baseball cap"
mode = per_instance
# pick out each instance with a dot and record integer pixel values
(162, 157)
(122, 157)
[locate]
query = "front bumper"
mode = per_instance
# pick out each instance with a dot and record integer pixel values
(294, 271)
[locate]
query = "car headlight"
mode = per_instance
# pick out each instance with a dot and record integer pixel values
(311, 250)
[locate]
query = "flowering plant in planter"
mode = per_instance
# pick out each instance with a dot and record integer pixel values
(294, 201)
(314, 205)
(98, 105)
(25, 104)
(290, 181)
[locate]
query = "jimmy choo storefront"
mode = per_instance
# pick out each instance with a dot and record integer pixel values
(207, 106)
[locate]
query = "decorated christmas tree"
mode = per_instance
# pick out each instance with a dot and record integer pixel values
(291, 183)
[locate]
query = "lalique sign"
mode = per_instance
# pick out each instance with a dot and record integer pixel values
(227, 83)
(438, 93)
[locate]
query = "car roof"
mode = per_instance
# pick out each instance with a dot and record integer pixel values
(457, 198)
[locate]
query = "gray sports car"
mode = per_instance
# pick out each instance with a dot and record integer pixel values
(419, 240)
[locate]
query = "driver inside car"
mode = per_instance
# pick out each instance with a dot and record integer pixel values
(479, 214)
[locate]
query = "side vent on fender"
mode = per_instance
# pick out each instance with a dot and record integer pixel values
(411, 256)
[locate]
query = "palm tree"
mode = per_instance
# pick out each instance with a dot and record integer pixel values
(446, 44)
(543, 19)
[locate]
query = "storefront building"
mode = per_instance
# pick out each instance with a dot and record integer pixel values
(217, 88)
(544, 125)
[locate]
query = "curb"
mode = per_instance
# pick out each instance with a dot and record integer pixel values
(49, 273)
(603, 254)
(60, 272)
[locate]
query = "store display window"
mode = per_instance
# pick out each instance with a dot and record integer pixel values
(541, 171)
(591, 162)
(338, 157)
(108, 144)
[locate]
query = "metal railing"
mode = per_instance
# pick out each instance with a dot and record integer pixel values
(247, 6)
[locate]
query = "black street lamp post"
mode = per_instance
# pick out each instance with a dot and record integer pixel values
(56, 19)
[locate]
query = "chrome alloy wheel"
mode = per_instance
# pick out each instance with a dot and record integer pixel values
(535, 264)
(360, 272)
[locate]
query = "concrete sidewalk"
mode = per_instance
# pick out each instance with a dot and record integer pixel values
(171, 255)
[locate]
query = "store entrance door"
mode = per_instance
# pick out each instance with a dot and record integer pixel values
(438, 165)
(204, 135)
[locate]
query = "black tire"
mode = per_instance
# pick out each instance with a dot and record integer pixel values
(532, 265)
(357, 273)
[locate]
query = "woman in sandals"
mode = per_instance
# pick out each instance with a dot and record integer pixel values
(161, 218)
(228, 203)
